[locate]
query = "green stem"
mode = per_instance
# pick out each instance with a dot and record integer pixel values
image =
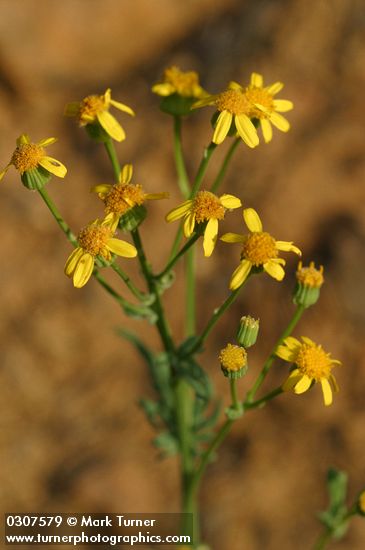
(208, 151)
(215, 318)
(234, 396)
(206, 458)
(261, 402)
(322, 541)
(261, 377)
(73, 240)
(226, 161)
(179, 254)
(110, 289)
(190, 293)
(110, 149)
(137, 293)
(183, 179)
(57, 216)
(162, 325)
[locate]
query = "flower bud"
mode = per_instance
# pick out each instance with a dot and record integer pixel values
(309, 282)
(233, 361)
(247, 331)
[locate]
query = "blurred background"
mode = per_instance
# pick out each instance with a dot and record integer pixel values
(73, 437)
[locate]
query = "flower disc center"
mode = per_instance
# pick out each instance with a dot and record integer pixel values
(93, 239)
(207, 206)
(313, 361)
(259, 248)
(27, 157)
(233, 101)
(121, 197)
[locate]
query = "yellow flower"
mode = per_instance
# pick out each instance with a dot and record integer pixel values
(361, 503)
(309, 276)
(239, 105)
(95, 108)
(29, 156)
(122, 196)
(205, 207)
(233, 107)
(313, 365)
(263, 105)
(96, 239)
(233, 357)
(183, 83)
(259, 250)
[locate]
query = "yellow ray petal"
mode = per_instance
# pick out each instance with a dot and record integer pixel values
(240, 274)
(283, 105)
(280, 122)
(266, 129)
(23, 139)
(54, 166)
(72, 261)
(111, 125)
(2, 174)
(246, 130)
(122, 107)
(122, 248)
(292, 380)
(286, 353)
(327, 392)
(222, 127)
(274, 270)
(47, 141)
(232, 238)
(83, 270)
(230, 201)
(102, 189)
(164, 89)
(303, 385)
(111, 220)
(307, 340)
(292, 343)
(275, 88)
(287, 246)
(257, 80)
(252, 220)
(179, 211)
(126, 173)
(232, 85)
(189, 224)
(210, 237)
(208, 100)
(334, 384)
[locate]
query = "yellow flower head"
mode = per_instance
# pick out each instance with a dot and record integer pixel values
(205, 207)
(313, 365)
(183, 83)
(240, 105)
(265, 107)
(29, 156)
(233, 107)
(233, 358)
(310, 276)
(95, 108)
(120, 197)
(361, 503)
(96, 239)
(259, 250)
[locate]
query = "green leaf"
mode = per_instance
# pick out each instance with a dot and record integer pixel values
(167, 443)
(198, 379)
(140, 311)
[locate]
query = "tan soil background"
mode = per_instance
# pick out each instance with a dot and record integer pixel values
(73, 437)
